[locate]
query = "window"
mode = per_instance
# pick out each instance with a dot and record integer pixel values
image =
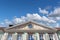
(30, 37)
(51, 36)
(30, 25)
(41, 37)
(10, 37)
(19, 37)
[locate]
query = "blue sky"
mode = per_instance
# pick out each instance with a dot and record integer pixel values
(11, 8)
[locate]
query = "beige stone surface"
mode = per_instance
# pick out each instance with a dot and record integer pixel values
(25, 27)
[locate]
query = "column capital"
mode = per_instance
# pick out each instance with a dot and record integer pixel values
(16, 33)
(5, 33)
(46, 33)
(36, 33)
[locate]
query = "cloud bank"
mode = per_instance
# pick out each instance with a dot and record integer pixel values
(35, 17)
(28, 17)
(55, 13)
(43, 11)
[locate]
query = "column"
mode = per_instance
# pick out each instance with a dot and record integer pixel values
(14, 36)
(55, 36)
(5, 36)
(24, 36)
(46, 36)
(34, 36)
(37, 36)
(21, 36)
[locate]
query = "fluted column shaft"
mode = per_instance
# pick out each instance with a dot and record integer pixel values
(24, 36)
(34, 36)
(5, 36)
(55, 36)
(37, 36)
(14, 36)
(46, 36)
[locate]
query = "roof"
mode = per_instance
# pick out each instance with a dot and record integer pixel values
(34, 23)
(2, 28)
(58, 29)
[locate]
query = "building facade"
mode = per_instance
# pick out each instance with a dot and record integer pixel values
(29, 31)
(58, 32)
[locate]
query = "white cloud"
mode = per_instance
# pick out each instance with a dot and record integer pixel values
(44, 18)
(6, 23)
(43, 11)
(52, 21)
(57, 25)
(28, 17)
(38, 17)
(2, 24)
(18, 20)
(55, 13)
(33, 16)
(57, 18)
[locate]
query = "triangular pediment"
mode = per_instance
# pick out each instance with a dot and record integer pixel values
(25, 26)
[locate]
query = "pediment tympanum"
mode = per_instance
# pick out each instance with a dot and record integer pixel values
(25, 27)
